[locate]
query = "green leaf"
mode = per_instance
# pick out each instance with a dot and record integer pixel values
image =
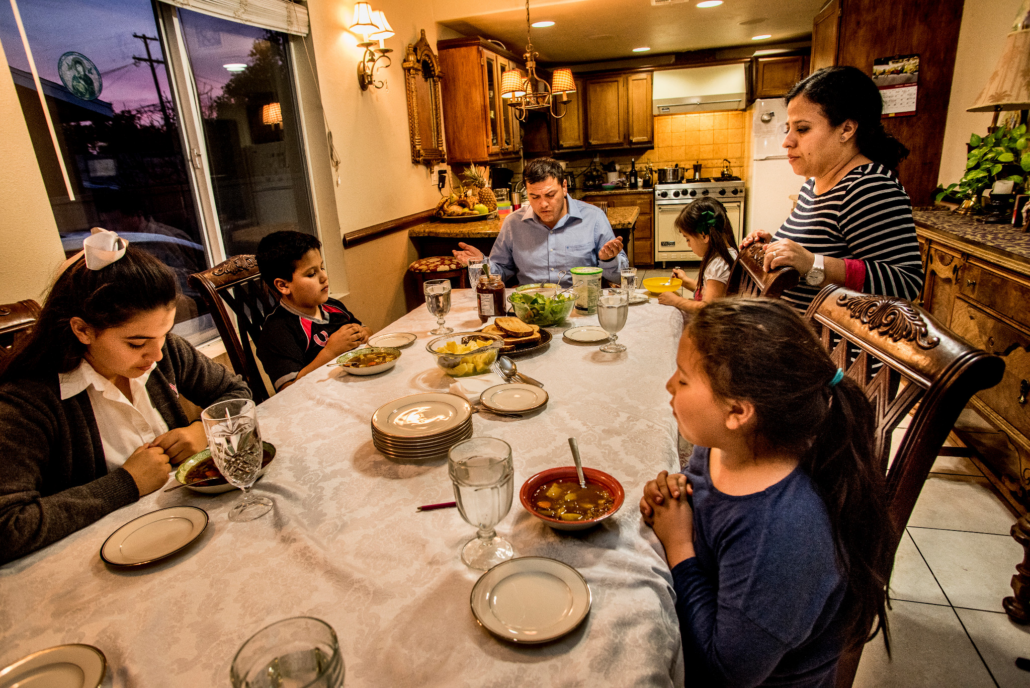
(1014, 178)
(951, 187)
(1006, 157)
(1021, 143)
(996, 169)
(975, 140)
(939, 196)
(978, 174)
(989, 141)
(1020, 130)
(1024, 162)
(970, 164)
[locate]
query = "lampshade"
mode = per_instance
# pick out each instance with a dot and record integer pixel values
(1008, 87)
(383, 28)
(563, 81)
(364, 22)
(272, 114)
(511, 84)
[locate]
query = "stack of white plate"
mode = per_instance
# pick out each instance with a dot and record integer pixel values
(421, 426)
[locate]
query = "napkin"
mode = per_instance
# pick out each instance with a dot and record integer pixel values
(471, 387)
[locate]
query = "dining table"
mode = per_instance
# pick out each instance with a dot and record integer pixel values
(345, 544)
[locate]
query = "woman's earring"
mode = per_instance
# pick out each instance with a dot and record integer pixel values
(843, 138)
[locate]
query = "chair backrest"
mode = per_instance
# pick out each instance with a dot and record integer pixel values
(16, 321)
(749, 278)
(237, 283)
(940, 372)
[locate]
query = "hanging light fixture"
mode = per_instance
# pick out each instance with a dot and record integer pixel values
(272, 114)
(530, 92)
(372, 26)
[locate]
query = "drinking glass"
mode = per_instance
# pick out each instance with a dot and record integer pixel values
(301, 651)
(475, 272)
(629, 280)
(438, 301)
(235, 442)
(612, 311)
(484, 477)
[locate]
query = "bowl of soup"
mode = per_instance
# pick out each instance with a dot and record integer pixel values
(369, 360)
(555, 497)
(201, 467)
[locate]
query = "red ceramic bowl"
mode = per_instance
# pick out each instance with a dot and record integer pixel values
(569, 473)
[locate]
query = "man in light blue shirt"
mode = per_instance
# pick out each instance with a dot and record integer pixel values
(551, 234)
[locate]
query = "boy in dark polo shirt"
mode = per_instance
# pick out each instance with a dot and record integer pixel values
(307, 329)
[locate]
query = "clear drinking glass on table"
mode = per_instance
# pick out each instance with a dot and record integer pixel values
(235, 442)
(483, 475)
(629, 280)
(612, 311)
(302, 651)
(475, 272)
(438, 301)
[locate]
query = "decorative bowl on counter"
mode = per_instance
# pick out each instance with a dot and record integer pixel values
(656, 285)
(565, 475)
(538, 304)
(465, 353)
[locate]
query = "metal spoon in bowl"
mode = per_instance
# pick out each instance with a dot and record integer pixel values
(579, 463)
(510, 370)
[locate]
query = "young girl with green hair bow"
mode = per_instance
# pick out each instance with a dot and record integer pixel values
(707, 229)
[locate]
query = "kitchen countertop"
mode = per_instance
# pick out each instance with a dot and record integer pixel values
(620, 218)
(579, 194)
(1004, 241)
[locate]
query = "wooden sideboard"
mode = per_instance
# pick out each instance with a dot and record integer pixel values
(978, 284)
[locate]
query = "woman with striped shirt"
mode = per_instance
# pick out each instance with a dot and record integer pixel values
(853, 221)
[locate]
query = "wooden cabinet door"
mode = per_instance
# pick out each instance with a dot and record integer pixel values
(639, 120)
(493, 89)
(605, 111)
(825, 35)
(464, 104)
(570, 127)
(774, 76)
(943, 271)
(504, 111)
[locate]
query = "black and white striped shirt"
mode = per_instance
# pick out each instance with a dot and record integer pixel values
(866, 216)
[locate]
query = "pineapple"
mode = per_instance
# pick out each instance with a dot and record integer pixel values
(476, 178)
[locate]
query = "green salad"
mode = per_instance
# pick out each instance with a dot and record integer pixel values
(539, 309)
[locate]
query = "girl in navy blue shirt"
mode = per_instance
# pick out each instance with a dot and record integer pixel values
(776, 532)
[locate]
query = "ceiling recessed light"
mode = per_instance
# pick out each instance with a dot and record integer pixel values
(710, 3)
(762, 37)
(235, 66)
(640, 50)
(542, 24)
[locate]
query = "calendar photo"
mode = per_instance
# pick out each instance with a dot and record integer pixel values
(897, 78)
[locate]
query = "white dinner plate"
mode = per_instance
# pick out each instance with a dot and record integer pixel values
(639, 296)
(396, 340)
(421, 415)
(63, 666)
(513, 398)
(530, 599)
(586, 333)
(154, 536)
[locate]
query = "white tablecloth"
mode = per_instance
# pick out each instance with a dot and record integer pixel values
(345, 544)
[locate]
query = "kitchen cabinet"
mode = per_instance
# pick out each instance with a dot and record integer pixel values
(479, 126)
(775, 76)
(643, 230)
(608, 111)
(639, 120)
(570, 127)
(826, 35)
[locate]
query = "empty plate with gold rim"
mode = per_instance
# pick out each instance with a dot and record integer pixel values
(154, 536)
(421, 415)
(63, 666)
(513, 397)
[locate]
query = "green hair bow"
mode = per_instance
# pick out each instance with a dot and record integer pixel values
(707, 223)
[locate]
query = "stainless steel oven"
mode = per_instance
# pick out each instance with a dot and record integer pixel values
(669, 201)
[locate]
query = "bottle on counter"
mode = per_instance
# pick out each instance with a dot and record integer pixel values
(489, 295)
(634, 180)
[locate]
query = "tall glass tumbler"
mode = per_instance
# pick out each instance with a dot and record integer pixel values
(301, 651)
(235, 441)
(483, 476)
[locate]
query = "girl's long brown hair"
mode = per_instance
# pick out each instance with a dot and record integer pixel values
(761, 351)
(719, 232)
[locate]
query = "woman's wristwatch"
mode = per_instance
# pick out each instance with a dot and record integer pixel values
(817, 275)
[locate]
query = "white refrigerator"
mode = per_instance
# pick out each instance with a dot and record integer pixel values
(772, 180)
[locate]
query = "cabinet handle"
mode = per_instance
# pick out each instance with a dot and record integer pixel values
(1024, 390)
(970, 283)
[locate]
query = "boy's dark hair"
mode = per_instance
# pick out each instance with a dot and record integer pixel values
(542, 169)
(783, 370)
(279, 252)
(718, 230)
(105, 298)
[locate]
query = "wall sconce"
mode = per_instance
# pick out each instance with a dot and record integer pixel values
(272, 114)
(372, 26)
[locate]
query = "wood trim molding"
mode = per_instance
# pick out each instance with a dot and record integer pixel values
(360, 236)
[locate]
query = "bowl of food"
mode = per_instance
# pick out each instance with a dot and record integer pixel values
(656, 285)
(201, 467)
(369, 360)
(465, 353)
(555, 497)
(542, 304)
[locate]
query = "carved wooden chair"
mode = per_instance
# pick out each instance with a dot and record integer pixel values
(941, 373)
(16, 321)
(749, 278)
(237, 283)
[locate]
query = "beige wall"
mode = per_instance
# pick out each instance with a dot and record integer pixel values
(984, 26)
(28, 234)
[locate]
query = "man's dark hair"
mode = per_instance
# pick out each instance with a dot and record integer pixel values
(542, 169)
(279, 252)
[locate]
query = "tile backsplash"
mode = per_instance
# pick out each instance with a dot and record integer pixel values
(705, 137)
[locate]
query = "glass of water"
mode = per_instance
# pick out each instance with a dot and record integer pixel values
(612, 311)
(438, 301)
(302, 651)
(629, 280)
(484, 482)
(235, 442)
(475, 272)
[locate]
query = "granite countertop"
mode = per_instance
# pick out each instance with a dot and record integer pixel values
(579, 194)
(620, 218)
(623, 218)
(1003, 239)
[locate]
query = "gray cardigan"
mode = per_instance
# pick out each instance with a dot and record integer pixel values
(53, 473)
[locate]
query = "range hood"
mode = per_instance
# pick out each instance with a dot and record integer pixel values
(699, 89)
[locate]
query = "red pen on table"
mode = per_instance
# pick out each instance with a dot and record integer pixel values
(431, 507)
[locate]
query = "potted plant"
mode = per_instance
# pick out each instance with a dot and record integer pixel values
(1001, 155)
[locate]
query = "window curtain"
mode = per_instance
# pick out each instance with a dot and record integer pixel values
(278, 15)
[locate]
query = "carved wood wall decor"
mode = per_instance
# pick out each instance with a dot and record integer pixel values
(425, 109)
(890, 318)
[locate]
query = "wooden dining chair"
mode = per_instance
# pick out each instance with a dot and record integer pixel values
(16, 321)
(237, 283)
(920, 363)
(748, 276)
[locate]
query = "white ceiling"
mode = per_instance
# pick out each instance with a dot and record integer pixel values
(587, 30)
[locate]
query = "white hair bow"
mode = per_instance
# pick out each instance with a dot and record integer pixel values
(102, 248)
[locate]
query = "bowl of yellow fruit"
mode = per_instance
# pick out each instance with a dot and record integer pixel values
(465, 353)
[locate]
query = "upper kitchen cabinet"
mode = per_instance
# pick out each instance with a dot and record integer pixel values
(608, 111)
(478, 124)
(639, 121)
(571, 126)
(825, 36)
(774, 76)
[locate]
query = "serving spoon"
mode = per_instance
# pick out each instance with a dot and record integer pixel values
(579, 463)
(510, 370)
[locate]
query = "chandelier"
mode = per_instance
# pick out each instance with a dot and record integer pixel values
(526, 93)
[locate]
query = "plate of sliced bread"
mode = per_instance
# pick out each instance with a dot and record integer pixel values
(519, 337)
